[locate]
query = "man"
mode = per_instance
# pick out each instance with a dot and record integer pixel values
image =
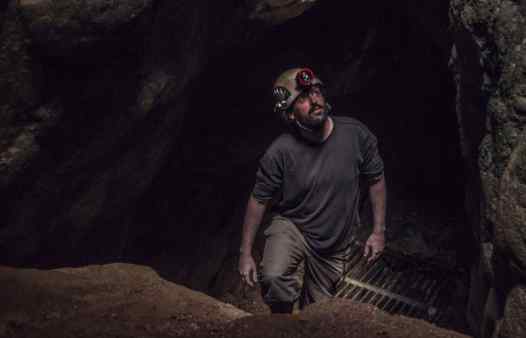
(312, 173)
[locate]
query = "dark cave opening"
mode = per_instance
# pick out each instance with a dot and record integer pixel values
(383, 70)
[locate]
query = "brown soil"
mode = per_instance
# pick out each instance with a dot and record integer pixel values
(115, 300)
(124, 300)
(335, 318)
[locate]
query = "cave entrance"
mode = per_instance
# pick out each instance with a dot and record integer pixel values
(381, 68)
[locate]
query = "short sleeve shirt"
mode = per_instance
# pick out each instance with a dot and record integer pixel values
(317, 186)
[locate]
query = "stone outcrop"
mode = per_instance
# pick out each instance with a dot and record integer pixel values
(488, 59)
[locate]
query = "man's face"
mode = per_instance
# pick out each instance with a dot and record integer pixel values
(310, 108)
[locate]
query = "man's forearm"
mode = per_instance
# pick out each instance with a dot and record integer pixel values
(377, 195)
(253, 216)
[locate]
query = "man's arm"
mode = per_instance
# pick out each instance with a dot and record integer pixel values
(377, 195)
(253, 216)
(376, 241)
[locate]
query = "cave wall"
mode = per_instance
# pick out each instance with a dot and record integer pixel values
(488, 65)
(92, 100)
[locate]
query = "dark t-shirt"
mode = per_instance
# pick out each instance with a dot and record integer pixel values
(317, 185)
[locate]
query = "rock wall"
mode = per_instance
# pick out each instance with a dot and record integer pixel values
(92, 101)
(489, 66)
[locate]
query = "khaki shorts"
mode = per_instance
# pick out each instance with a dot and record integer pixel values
(285, 250)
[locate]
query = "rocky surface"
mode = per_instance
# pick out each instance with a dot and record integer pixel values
(275, 12)
(338, 318)
(125, 300)
(512, 323)
(115, 300)
(93, 100)
(68, 29)
(489, 58)
(511, 233)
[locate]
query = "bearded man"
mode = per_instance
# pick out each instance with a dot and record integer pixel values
(313, 173)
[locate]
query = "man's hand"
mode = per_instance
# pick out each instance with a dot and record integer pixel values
(374, 246)
(247, 269)
(253, 216)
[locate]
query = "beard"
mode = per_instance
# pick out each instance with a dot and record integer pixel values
(315, 122)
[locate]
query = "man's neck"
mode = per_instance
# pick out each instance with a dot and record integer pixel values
(321, 135)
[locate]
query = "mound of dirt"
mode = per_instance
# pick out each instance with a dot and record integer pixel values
(334, 318)
(125, 300)
(114, 300)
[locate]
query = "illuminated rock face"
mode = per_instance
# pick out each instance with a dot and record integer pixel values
(489, 65)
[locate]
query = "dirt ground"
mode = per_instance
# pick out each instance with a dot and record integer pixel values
(335, 318)
(125, 300)
(115, 300)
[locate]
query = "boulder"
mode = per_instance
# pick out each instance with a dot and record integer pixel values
(113, 300)
(513, 324)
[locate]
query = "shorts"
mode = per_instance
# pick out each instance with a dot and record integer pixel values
(285, 250)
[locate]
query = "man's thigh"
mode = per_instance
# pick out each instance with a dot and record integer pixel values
(322, 274)
(284, 248)
(284, 251)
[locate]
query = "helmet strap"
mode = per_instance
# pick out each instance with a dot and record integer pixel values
(328, 107)
(305, 128)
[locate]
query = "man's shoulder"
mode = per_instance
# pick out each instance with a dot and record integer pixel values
(353, 125)
(283, 143)
(349, 122)
(284, 140)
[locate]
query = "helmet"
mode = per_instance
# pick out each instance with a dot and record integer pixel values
(290, 84)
